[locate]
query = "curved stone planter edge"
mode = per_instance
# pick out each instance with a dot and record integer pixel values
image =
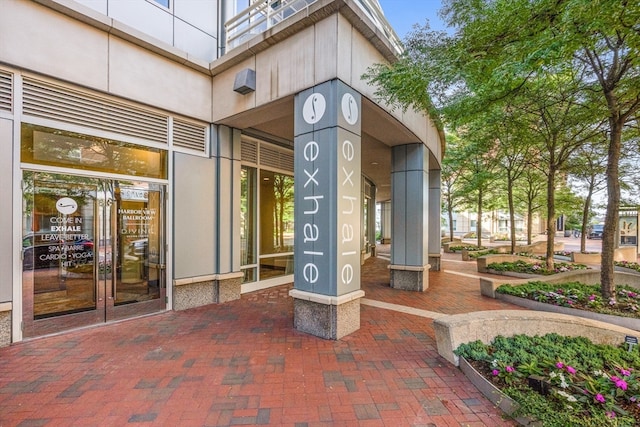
(514, 274)
(626, 322)
(493, 393)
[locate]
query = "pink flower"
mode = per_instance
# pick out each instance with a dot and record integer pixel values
(559, 365)
(621, 384)
(592, 297)
(625, 372)
(600, 398)
(509, 369)
(495, 372)
(571, 370)
(611, 414)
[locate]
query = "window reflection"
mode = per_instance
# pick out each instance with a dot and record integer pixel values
(45, 146)
(248, 200)
(271, 254)
(276, 212)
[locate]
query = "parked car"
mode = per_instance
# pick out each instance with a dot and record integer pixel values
(595, 231)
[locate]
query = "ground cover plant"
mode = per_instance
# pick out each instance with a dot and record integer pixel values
(574, 382)
(478, 253)
(626, 264)
(536, 267)
(458, 248)
(579, 296)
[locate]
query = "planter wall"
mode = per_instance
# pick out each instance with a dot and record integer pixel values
(625, 322)
(451, 331)
(485, 260)
(588, 277)
(493, 393)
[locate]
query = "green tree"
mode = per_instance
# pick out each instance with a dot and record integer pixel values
(505, 47)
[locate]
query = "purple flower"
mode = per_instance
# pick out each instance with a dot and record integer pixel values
(509, 369)
(621, 384)
(571, 370)
(592, 297)
(495, 372)
(600, 398)
(559, 365)
(625, 372)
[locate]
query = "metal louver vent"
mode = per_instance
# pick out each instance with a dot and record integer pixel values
(50, 101)
(249, 151)
(276, 159)
(189, 135)
(6, 90)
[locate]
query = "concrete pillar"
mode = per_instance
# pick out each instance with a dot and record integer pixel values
(410, 217)
(385, 223)
(327, 292)
(226, 147)
(434, 219)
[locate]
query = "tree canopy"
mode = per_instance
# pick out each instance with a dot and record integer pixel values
(572, 67)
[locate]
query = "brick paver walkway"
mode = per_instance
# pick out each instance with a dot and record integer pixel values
(242, 363)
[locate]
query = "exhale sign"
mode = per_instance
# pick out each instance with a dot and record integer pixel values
(327, 189)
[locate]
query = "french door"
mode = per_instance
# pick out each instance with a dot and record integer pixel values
(93, 250)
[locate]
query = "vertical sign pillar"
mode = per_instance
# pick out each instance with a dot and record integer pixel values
(328, 202)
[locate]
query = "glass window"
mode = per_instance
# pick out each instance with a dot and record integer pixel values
(248, 202)
(52, 147)
(266, 234)
(276, 212)
(164, 3)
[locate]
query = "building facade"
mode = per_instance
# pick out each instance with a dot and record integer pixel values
(168, 154)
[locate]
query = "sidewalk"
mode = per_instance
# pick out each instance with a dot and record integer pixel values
(242, 363)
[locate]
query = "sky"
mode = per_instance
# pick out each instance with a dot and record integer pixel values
(403, 14)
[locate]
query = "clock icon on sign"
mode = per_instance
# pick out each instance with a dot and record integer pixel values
(66, 206)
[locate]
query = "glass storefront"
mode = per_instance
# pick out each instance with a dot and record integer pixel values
(93, 248)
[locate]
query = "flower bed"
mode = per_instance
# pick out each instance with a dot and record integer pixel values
(578, 296)
(460, 248)
(634, 266)
(562, 381)
(535, 267)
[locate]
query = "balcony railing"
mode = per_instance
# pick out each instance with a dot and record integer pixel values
(262, 15)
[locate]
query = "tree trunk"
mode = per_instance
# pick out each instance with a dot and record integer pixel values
(551, 217)
(479, 218)
(450, 209)
(613, 205)
(585, 218)
(512, 215)
(529, 223)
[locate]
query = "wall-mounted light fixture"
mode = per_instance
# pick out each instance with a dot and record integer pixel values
(245, 81)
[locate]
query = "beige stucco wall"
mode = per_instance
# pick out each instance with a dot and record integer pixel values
(331, 48)
(42, 40)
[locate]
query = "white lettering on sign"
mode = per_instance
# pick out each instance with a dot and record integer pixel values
(350, 218)
(311, 231)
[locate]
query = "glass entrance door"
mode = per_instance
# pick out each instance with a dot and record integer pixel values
(93, 251)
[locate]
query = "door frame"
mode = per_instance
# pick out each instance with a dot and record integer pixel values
(104, 313)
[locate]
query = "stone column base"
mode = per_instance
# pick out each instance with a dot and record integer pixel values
(409, 278)
(434, 262)
(326, 316)
(204, 290)
(5, 323)
(228, 287)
